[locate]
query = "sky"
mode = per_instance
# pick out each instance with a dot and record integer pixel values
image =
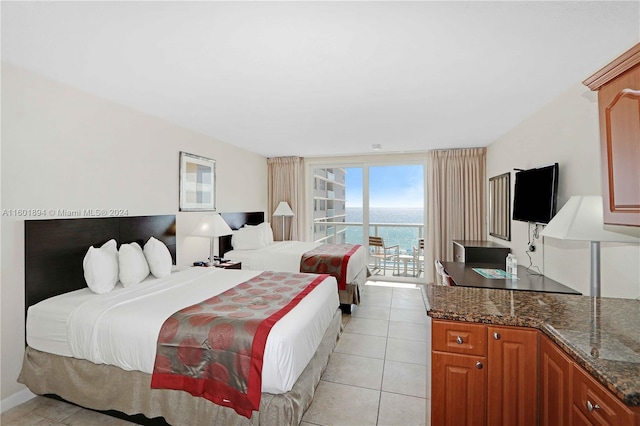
(389, 186)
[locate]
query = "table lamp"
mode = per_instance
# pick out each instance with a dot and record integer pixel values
(212, 226)
(581, 219)
(283, 210)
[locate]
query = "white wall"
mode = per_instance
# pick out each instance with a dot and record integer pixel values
(565, 132)
(65, 149)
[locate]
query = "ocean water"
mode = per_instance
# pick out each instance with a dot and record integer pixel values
(406, 238)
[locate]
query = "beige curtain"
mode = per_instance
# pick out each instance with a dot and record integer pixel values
(286, 183)
(455, 201)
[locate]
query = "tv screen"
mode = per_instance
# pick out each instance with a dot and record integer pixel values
(535, 194)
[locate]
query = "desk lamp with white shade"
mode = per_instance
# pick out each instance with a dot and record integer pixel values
(283, 210)
(212, 226)
(581, 219)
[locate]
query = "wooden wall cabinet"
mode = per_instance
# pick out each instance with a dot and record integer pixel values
(483, 375)
(618, 86)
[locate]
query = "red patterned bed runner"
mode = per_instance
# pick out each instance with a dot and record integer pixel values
(215, 348)
(329, 259)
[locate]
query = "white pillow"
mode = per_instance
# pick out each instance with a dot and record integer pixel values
(268, 232)
(101, 267)
(248, 238)
(158, 257)
(132, 264)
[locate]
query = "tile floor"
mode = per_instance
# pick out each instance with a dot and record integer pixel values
(377, 375)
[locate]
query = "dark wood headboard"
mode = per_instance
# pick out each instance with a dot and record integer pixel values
(55, 248)
(237, 221)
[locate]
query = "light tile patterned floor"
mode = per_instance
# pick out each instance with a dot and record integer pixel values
(379, 373)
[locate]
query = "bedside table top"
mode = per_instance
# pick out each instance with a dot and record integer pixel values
(230, 265)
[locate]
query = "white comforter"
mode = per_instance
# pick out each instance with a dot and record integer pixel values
(284, 256)
(121, 327)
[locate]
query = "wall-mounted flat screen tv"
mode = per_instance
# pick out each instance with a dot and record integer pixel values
(535, 194)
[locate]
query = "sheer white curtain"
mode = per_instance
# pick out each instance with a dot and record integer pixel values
(456, 201)
(286, 183)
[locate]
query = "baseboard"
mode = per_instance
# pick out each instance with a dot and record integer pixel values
(16, 399)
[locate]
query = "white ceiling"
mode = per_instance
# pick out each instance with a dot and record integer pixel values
(324, 78)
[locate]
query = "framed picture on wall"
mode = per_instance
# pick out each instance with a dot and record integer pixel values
(197, 183)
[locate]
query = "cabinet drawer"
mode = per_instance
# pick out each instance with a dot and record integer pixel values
(596, 403)
(458, 337)
(577, 418)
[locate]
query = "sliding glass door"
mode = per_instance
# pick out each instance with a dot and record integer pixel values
(396, 214)
(396, 204)
(351, 203)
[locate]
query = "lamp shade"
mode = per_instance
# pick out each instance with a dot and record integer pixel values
(212, 226)
(283, 209)
(581, 219)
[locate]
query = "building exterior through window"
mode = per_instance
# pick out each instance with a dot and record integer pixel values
(329, 197)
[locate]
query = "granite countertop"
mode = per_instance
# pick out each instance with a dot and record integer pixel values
(600, 334)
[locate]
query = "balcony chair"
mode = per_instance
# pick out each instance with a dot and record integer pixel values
(382, 253)
(418, 258)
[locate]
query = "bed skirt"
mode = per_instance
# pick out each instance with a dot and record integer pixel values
(351, 295)
(105, 387)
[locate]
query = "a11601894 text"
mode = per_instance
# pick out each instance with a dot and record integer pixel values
(51, 212)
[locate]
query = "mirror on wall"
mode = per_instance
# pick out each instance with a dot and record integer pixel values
(500, 206)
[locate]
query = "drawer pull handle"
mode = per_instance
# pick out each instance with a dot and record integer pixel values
(479, 365)
(591, 406)
(459, 340)
(496, 336)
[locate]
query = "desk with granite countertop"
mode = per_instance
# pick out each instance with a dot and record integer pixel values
(602, 335)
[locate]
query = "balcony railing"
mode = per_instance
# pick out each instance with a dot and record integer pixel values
(406, 235)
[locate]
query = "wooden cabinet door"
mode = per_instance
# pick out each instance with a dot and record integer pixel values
(555, 384)
(618, 85)
(458, 390)
(512, 392)
(620, 116)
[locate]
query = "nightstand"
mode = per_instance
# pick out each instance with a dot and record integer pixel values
(230, 265)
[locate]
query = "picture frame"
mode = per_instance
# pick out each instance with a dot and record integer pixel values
(500, 206)
(197, 183)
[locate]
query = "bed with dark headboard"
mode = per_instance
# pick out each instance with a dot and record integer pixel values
(348, 297)
(55, 248)
(54, 252)
(237, 221)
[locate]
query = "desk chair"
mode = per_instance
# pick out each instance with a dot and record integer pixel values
(382, 253)
(442, 278)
